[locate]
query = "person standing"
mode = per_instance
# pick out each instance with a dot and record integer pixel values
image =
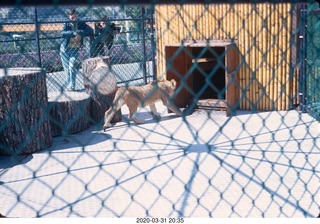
(73, 33)
(104, 33)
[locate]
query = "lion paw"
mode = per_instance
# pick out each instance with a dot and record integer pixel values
(138, 121)
(106, 126)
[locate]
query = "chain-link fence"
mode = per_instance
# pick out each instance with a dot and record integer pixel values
(311, 63)
(239, 78)
(32, 36)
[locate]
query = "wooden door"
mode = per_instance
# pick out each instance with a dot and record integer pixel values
(232, 79)
(177, 65)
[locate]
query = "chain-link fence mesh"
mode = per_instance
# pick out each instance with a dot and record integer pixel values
(312, 62)
(32, 37)
(240, 144)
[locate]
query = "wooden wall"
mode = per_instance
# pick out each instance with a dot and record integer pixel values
(264, 36)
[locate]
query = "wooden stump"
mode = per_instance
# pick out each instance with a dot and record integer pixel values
(101, 84)
(69, 112)
(24, 124)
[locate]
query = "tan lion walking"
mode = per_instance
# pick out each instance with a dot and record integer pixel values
(141, 96)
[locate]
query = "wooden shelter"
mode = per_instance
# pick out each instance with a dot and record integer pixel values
(266, 39)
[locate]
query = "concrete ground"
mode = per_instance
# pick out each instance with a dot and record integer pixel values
(207, 165)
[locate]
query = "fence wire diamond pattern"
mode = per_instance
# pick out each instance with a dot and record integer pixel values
(246, 145)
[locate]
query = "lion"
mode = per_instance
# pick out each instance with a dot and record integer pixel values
(141, 96)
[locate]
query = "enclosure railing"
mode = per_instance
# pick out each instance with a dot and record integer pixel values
(35, 42)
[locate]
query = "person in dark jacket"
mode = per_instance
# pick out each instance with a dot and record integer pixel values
(73, 33)
(104, 33)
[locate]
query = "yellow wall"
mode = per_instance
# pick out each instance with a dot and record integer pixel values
(263, 32)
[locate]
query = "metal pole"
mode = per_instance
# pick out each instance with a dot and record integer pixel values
(153, 46)
(303, 58)
(144, 63)
(37, 37)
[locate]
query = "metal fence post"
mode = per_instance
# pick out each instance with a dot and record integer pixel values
(37, 37)
(153, 46)
(303, 58)
(144, 65)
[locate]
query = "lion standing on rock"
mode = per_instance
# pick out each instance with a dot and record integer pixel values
(141, 96)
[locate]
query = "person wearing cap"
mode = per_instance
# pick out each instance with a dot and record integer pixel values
(104, 32)
(73, 33)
